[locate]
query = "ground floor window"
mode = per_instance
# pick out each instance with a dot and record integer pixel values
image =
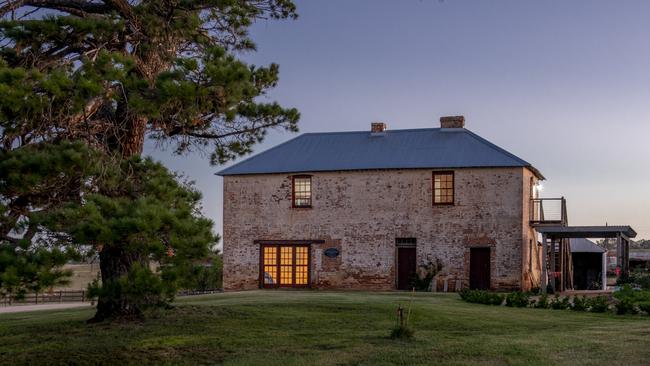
(284, 265)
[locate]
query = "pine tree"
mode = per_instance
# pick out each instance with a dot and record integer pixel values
(110, 74)
(135, 215)
(132, 212)
(113, 72)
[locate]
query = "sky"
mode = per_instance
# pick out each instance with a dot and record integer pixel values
(565, 85)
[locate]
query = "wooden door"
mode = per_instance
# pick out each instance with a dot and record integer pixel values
(406, 267)
(479, 268)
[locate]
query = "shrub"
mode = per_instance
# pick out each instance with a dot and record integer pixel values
(626, 291)
(481, 297)
(625, 306)
(517, 299)
(468, 295)
(642, 280)
(624, 279)
(645, 306)
(635, 294)
(579, 303)
(495, 299)
(560, 303)
(542, 302)
(598, 304)
(629, 298)
(422, 279)
(638, 278)
(205, 276)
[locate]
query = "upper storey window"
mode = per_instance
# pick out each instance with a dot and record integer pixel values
(301, 191)
(443, 188)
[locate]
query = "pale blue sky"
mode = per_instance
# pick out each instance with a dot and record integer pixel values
(564, 85)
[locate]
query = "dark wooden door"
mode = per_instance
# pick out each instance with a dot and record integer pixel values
(479, 268)
(405, 267)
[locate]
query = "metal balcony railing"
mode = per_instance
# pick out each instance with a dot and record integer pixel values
(548, 211)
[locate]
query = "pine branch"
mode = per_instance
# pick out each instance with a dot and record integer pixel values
(122, 6)
(75, 7)
(208, 135)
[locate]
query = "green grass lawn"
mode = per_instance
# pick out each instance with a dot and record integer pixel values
(328, 328)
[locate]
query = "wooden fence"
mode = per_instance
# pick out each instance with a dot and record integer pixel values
(46, 298)
(75, 296)
(197, 292)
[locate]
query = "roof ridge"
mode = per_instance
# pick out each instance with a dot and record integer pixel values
(369, 132)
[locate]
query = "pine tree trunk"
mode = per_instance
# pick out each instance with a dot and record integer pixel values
(113, 303)
(133, 138)
(128, 140)
(116, 262)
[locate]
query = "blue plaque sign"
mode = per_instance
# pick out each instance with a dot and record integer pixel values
(331, 252)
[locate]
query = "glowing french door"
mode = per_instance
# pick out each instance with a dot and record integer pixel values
(284, 265)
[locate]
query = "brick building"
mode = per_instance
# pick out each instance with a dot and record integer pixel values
(369, 209)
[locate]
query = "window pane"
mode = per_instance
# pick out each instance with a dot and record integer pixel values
(286, 265)
(269, 275)
(302, 258)
(443, 188)
(301, 191)
(270, 265)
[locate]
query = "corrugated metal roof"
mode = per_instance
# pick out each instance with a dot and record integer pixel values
(391, 149)
(558, 231)
(582, 245)
(639, 255)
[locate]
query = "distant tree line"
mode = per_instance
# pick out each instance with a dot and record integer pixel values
(610, 244)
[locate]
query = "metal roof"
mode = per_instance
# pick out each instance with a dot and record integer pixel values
(582, 245)
(586, 231)
(391, 149)
(639, 255)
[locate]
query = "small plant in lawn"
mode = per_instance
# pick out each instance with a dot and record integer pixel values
(401, 332)
(598, 304)
(402, 329)
(579, 303)
(517, 299)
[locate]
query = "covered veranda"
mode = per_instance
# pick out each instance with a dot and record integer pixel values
(557, 267)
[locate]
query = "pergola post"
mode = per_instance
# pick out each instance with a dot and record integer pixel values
(552, 260)
(562, 268)
(604, 274)
(619, 253)
(544, 279)
(626, 254)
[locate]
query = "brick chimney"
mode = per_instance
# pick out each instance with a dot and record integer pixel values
(377, 127)
(452, 122)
